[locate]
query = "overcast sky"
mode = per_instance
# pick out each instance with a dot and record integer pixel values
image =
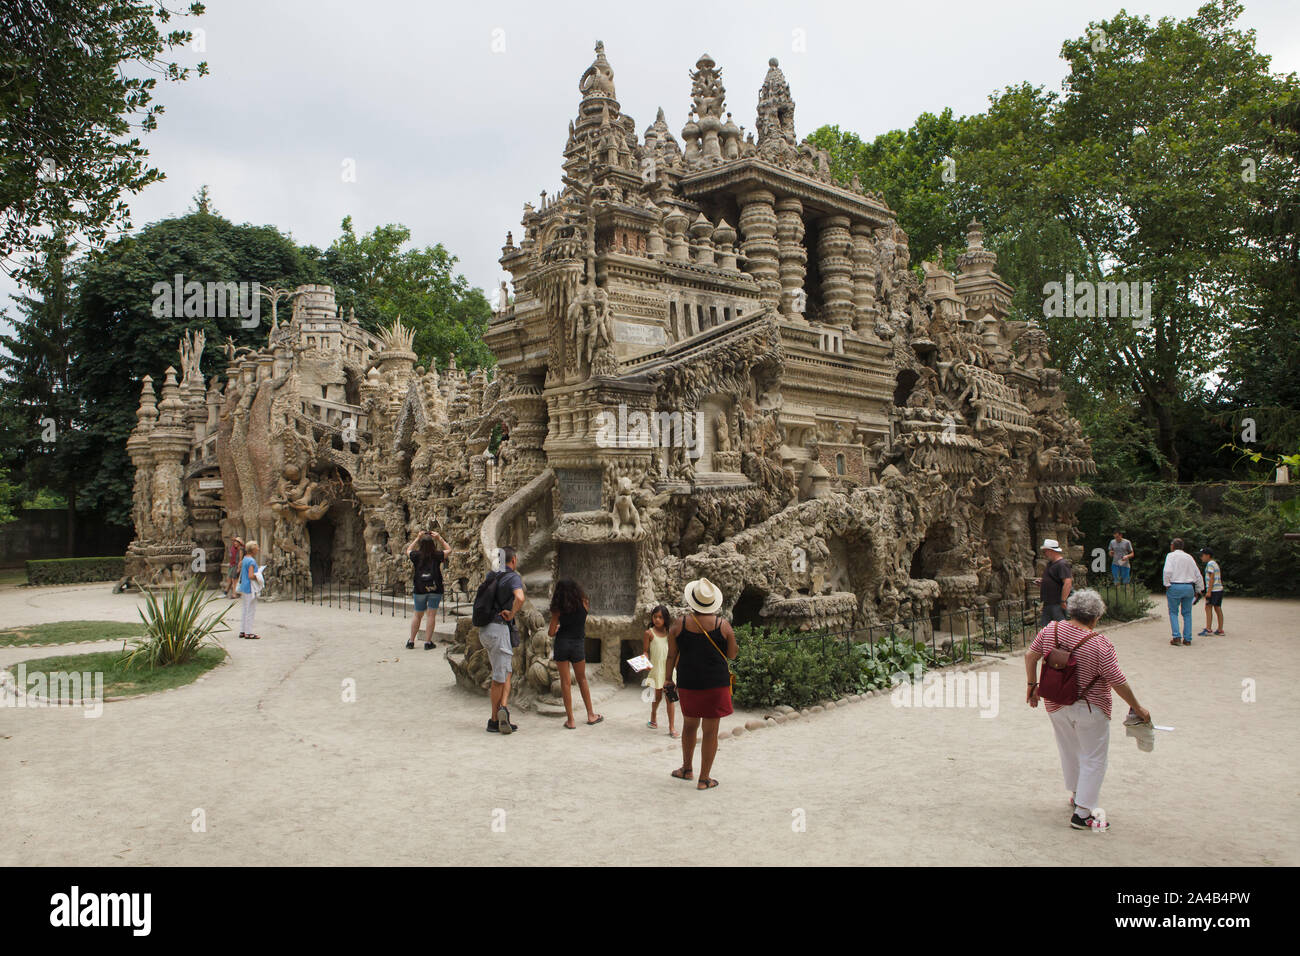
(455, 114)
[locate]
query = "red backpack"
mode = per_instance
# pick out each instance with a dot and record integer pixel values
(1059, 682)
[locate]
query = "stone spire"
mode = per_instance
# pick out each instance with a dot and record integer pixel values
(703, 132)
(775, 120)
(601, 135)
(976, 260)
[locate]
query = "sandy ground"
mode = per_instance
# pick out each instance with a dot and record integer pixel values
(286, 772)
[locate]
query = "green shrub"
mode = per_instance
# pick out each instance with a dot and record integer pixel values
(75, 570)
(176, 628)
(798, 669)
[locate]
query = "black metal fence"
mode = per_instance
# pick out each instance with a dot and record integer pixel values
(393, 602)
(955, 636)
(951, 636)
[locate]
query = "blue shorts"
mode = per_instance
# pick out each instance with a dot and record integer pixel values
(427, 602)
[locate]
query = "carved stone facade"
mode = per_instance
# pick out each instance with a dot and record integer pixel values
(717, 362)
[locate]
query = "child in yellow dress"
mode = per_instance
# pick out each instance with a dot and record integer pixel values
(656, 648)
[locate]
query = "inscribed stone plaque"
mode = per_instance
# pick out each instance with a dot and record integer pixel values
(210, 484)
(607, 572)
(636, 334)
(579, 489)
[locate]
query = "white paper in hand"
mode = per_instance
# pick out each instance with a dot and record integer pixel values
(640, 663)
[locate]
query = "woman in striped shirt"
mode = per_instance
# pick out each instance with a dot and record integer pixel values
(1083, 728)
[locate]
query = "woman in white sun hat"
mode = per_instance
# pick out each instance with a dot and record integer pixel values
(700, 644)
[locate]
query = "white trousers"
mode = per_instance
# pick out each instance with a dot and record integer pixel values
(1083, 738)
(250, 605)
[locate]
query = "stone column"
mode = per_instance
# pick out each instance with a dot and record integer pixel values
(794, 257)
(527, 459)
(836, 270)
(758, 226)
(864, 277)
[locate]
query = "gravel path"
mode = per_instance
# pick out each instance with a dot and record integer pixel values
(284, 771)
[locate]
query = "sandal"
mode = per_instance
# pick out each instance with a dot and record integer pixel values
(410, 645)
(684, 773)
(706, 783)
(652, 725)
(674, 735)
(252, 637)
(599, 718)
(569, 726)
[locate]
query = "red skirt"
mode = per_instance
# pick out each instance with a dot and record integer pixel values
(714, 702)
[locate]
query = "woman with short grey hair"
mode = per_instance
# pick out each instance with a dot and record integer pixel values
(1083, 728)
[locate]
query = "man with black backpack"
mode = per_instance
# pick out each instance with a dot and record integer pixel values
(496, 605)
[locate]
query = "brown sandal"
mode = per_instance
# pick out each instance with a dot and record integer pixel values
(684, 773)
(706, 783)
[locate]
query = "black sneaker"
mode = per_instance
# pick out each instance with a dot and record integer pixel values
(410, 645)
(492, 727)
(428, 645)
(503, 722)
(1089, 823)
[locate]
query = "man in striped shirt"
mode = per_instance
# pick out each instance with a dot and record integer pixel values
(1082, 729)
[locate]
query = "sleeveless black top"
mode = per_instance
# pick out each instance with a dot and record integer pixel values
(700, 666)
(572, 625)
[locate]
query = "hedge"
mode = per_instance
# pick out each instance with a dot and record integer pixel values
(1245, 532)
(75, 570)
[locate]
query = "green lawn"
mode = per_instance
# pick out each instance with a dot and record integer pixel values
(68, 632)
(121, 681)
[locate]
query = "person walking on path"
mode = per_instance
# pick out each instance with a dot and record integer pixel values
(1213, 592)
(1055, 584)
(233, 559)
(569, 608)
(1183, 583)
(496, 638)
(656, 648)
(250, 585)
(1121, 558)
(699, 646)
(1082, 729)
(427, 553)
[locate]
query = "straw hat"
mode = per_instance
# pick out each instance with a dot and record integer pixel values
(703, 596)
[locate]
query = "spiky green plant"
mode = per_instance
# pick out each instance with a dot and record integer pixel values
(177, 626)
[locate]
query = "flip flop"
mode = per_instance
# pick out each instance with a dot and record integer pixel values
(599, 718)
(706, 783)
(675, 736)
(652, 725)
(682, 774)
(570, 726)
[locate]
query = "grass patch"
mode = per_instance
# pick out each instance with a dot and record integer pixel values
(12, 577)
(69, 632)
(121, 680)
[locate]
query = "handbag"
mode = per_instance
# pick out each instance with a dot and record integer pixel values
(726, 660)
(1058, 682)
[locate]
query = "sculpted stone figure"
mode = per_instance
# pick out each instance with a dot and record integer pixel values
(627, 519)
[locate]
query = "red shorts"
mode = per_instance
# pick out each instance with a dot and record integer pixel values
(713, 702)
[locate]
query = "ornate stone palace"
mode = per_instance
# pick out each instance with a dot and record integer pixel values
(716, 362)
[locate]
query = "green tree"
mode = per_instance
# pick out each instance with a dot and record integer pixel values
(381, 280)
(116, 339)
(34, 384)
(77, 77)
(908, 168)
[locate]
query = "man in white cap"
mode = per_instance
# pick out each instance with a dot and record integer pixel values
(1054, 586)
